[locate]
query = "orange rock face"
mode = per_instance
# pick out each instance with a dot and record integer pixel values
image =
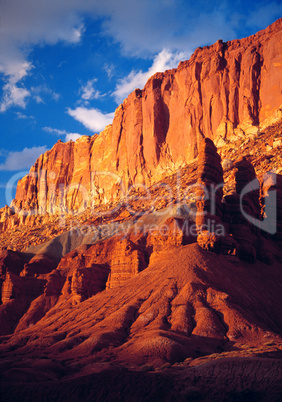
(224, 90)
(127, 261)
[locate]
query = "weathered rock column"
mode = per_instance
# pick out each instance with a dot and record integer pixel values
(272, 182)
(241, 207)
(209, 196)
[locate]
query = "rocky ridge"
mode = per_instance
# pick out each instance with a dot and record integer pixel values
(106, 251)
(39, 229)
(102, 251)
(226, 92)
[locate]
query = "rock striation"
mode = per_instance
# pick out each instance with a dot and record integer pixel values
(128, 260)
(223, 92)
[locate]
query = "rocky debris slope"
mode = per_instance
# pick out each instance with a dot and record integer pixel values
(263, 151)
(88, 259)
(189, 308)
(224, 92)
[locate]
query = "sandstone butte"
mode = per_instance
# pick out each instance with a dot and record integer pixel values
(124, 302)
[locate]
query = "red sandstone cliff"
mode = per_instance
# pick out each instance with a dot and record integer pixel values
(222, 92)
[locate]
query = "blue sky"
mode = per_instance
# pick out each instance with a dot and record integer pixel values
(65, 65)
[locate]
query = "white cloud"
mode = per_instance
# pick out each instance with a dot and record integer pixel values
(13, 96)
(20, 160)
(93, 119)
(109, 68)
(24, 24)
(141, 28)
(55, 96)
(38, 99)
(72, 137)
(68, 136)
(41, 92)
(137, 79)
(14, 66)
(144, 28)
(88, 92)
(23, 116)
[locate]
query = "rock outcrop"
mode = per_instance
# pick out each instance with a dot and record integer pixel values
(175, 232)
(16, 296)
(223, 92)
(210, 182)
(106, 256)
(15, 287)
(39, 266)
(128, 260)
(209, 196)
(188, 310)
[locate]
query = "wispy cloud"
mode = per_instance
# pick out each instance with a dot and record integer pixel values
(24, 24)
(68, 136)
(141, 28)
(137, 79)
(20, 160)
(14, 91)
(72, 137)
(13, 95)
(42, 92)
(88, 92)
(23, 116)
(144, 28)
(38, 99)
(93, 119)
(109, 68)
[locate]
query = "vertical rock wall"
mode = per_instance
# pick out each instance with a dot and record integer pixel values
(222, 92)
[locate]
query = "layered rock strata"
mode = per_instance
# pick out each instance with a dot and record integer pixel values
(174, 232)
(128, 260)
(222, 92)
(15, 287)
(90, 269)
